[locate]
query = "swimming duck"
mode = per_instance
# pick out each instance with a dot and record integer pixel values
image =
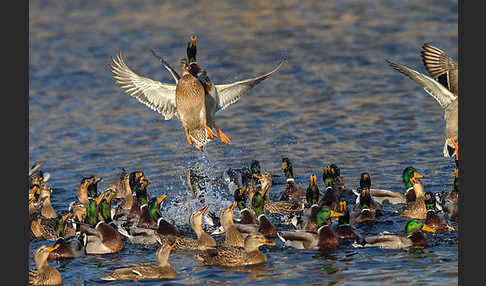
(49, 228)
(232, 236)
(415, 209)
(69, 248)
(140, 197)
(330, 197)
(378, 196)
(324, 239)
(280, 207)
(44, 201)
(291, 191)
(436, 222)
(413, 238)
(44, 274)
(249, 254)
(364, 213)
(365, 184)
(204, 240)
(147, 271)
(263, 225)
(443, 87)
(344, 230)
(101, 237)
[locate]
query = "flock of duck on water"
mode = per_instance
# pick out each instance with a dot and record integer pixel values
(309, 218)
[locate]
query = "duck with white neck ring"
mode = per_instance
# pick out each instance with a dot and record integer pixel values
(292, 190)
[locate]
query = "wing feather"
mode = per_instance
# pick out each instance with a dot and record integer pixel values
(228, 94)
(158, 96)
(441, 94)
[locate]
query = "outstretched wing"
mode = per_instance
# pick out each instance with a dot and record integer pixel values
(156, 95)
(231, 93)
(441, 67)
(443, 96)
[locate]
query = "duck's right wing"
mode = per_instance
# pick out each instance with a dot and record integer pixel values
(172, 71)
(443, 96)
(441, 67)
(156, 95)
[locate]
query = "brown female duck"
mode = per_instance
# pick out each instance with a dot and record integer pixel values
(415, 209)
(147, 271)
(249, 254)
(44, 274)
(280, 207)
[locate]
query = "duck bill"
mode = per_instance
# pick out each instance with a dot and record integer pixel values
(99, 198)
(336, 214)
(284, 166)
(269, 243)
(66, 217)
(233, 206)
(259, 177)
(171, 246)
(161, 199)
(456, 172)
(110, 197)
(313, 180)
(427, 228)
(97, 180)
(50, 249)
(192, 42)
(204, 209)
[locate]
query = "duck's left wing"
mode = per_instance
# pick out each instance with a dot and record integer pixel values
(231, 93)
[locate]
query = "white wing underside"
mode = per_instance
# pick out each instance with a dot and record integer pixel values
(156, 95)
(441, 94)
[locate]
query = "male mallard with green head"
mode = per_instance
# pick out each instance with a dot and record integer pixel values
(323, 239)
(312, 193)
(101, 237)
(162, 98)
(443, 87)
(249, 254)
(364, 213)
(44, 274)
(147, 271)
(416, 208)
(413, 238)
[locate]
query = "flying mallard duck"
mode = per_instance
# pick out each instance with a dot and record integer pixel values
(249, 254)
(443, 87)
(44, 274)
(147, 271)
(413, 238)
(162, 97)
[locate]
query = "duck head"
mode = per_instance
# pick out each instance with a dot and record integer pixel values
(414, 226)
(192, 50)
(312, 193)
(287, 168)
(254, 240)
(365, 181)
(410, 176)
(154, 207)
(324, 213)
